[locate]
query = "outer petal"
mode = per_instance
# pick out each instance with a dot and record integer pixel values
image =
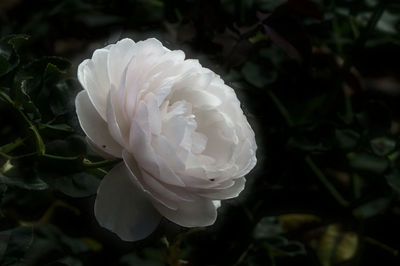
(94, 126)
(99, 150)
(200, 212)
(93, 75)
(81, 68)
(120, 55)
(124, 209)
(224, 193)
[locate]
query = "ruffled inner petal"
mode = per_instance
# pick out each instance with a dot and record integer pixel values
(140, 140)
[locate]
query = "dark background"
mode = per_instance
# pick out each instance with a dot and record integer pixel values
(318, 81)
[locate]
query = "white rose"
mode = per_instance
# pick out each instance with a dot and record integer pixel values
(179, 129)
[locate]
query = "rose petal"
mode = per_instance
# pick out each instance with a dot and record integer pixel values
(224, 193)
(93, 75)
(94, 126)
(119, 57)
(99, 150)
(150, 185)
(139, 140)
(246, 159)
(117, 123)
(81, 68)
(122, 208)
(200, 212)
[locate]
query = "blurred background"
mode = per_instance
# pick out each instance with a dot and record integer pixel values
(319, 81)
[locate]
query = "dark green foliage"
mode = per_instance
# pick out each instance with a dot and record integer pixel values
(318, 81)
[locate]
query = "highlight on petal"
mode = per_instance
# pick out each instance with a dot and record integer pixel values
(123, 208)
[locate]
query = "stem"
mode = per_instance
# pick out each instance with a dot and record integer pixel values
(375, 242)
(243, 255)
(58, 157)
(336, 27)
(89, 164)
(324, 180)
(9, 147)
(8, 157)
(41, 149)
(349, 116)
(7, 98)
(309, 161)
(49, 213)
(353, 27)
(356, 186)
(173, 253)
(282, 109)
(363, 37)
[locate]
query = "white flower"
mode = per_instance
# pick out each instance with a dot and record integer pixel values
(179, 129)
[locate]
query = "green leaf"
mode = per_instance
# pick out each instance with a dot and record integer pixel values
(267, 227)
(15, 242)
(9, 147)
(336, 246)
(4, 238)
(310, 110)
(60, 99)
(269, 5)
(67, 261)
(347, 247)
(307, 144)
(55, 65)
(371, 208)
(76, 185)
(294, 221)
(41, 76)
(347, 138)
(367, 162)
(4, 65)
(388, 23)
(40, 147)
(257, 76)
(9, 58)
(393, 180)
(269, 230)
(15, 39)
(24, 102)
(49, 239)
(382, 146)
(281, 246)
(34, 183)
(72, 146)
(61, 127)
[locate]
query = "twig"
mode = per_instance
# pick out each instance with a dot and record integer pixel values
(243, 255)
(324, 180)
(282, 109)
(375, 242)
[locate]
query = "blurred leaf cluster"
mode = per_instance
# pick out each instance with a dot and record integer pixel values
(319, 81)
